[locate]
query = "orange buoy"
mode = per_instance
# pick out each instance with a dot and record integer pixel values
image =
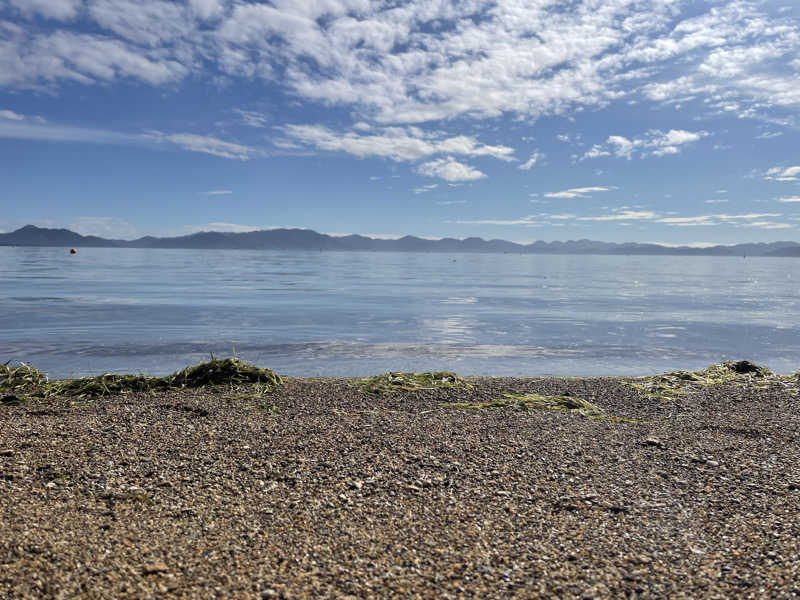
(73, 251)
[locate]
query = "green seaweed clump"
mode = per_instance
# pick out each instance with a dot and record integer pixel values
(107, 384)
(227, 371)
(25, 382)
(534, 401)
(22, 380)
(672, 385)
(394, 381)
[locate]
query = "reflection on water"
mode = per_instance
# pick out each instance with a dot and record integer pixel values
(359, 313)
(454, 329)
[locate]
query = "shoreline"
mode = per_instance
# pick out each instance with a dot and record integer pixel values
(321, 487)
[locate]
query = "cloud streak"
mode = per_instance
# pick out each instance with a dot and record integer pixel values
(395, 143)
(581, 192)
(24, 129)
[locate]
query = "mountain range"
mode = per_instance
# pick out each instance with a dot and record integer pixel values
(306, 239)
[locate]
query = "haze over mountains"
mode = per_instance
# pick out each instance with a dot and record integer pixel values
(306, 239)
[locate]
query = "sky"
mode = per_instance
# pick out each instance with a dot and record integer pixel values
(667, 121)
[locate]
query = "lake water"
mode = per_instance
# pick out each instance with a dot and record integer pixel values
(350, 314)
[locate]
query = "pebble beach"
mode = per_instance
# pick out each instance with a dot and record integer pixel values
(321, 489)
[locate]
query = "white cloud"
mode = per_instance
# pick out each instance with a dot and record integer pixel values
(745, 220)
(426, 188)
(789, 199)
(421, 61)
(527, 221)
(596, 151)
(716, 201)
(81, 58)
(769, 225)
(151, 23)
(768, 135)
(688, 221)
(25, 129)
(206, 9)
(783, 174)
(395, 143)
(28, 130)
(251, 118)
(654, 143)
(212, 145)
(10, 115)
(581, 192)
(621, 146)
(53, 9)
(450, 170)
(624, 215)
(535, 157)
(217, 193)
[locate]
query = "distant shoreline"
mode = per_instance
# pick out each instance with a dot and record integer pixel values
(312, 241)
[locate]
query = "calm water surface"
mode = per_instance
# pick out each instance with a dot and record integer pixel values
(348, 314)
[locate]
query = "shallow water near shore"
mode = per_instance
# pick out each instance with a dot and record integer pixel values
(353, 314)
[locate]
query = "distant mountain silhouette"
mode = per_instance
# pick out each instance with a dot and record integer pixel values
(306, 239)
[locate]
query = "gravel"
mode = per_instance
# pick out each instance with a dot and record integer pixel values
(320, 489)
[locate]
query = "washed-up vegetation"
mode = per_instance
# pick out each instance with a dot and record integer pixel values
(26, 382)
(534, 401)
(743, 373)
(386, 383)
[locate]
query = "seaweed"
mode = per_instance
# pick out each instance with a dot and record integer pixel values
(222, 372)
(394, 381)
(533, 401)
(21, 380)
(102, 385)
(18, 384)
(742, 373)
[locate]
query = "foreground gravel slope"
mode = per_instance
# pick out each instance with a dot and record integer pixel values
(322, 490)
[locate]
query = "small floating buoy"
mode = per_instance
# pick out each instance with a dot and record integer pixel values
(73, 251)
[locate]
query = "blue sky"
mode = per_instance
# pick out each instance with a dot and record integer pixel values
(618, 120)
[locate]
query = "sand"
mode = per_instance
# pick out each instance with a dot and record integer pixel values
(320, 489)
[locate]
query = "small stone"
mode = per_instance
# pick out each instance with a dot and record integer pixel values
(651, 441)
(712, 463)
(154, 567)
(50, 484)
